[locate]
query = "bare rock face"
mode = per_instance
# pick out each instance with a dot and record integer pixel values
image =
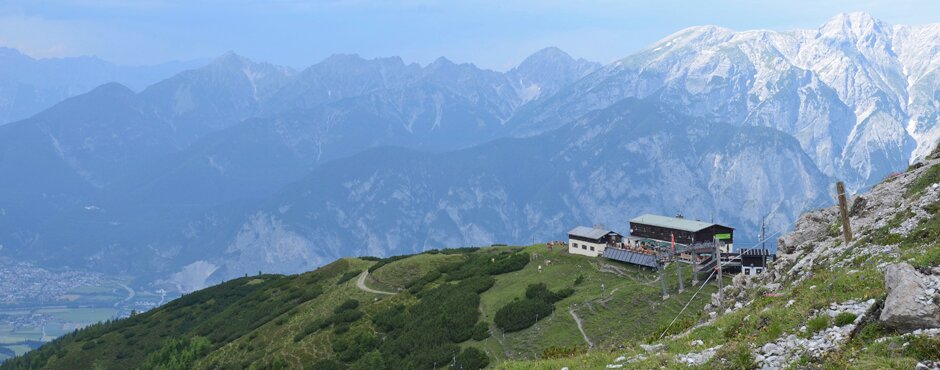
(911, 302)
(808, 228)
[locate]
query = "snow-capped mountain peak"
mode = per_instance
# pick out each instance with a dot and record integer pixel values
(857, 92)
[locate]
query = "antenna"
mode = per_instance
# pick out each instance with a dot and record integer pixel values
(763, 232)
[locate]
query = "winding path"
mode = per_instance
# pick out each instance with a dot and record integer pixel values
(577, 320)
(130, 294)
(361, 284)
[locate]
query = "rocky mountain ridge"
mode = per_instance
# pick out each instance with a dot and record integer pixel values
(870, 303)
(857, 92)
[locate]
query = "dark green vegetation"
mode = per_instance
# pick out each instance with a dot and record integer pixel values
(182, 330)
(178, 354)
(448, 312)
(347, 276)
(930, 177)
(537, 304)
(236, 325)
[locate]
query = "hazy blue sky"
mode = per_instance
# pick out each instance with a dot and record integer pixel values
(491, 33)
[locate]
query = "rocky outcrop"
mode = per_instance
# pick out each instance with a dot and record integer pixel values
(912, 299)
(788, 349)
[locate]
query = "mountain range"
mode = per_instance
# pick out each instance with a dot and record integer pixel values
(240, 166)
(29, 85)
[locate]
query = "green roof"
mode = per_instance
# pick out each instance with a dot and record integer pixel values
(672, 223)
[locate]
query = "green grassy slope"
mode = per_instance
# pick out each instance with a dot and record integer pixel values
(853, 273)
(273, 321)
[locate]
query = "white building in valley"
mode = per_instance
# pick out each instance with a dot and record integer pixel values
(591, 241)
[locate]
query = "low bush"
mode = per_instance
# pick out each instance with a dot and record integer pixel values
(735, 356)
(178, 354)
(386, 261)
(485, 264)
(471, 359)
(416, 286)
(561, 352)
(481, 331)
(537, 304)
(346, 316)
(817, 324)
(845, 318)
(521, 314)
(328, 365)
(540, 291)
(348, 276)
(349, 304)
(428, 332)
(924, 348)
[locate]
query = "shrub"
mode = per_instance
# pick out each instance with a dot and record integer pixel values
(521, 314)
(416, 286)
(816, 324)
(349, 304)
(540, 291)
(346, 316)
(386, 261)
(390, 319)
(514, 262)
(873, 330)
(484, 264)
(328, 365)
(481, 331)
(178, 354)
(464, 250)
(478, 284)
(733, 356)
(427, 332)
(924, 348)
(370, 361)
(347, 276)
(538, 304)
(845, 318)
(561, 352)
(471, 359)
(579, 280)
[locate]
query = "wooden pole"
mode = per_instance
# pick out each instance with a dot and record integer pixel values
(844, 212)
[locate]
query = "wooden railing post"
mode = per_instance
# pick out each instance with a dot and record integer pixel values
(844, 212)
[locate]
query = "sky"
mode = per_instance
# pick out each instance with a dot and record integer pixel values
(495, 34)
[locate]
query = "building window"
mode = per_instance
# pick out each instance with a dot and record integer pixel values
(574, 245)
(584, 246)
(592, 248)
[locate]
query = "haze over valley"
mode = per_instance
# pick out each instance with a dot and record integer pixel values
(357, 186)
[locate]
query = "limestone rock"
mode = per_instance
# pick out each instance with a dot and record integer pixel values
(651, 348)
(909, 306)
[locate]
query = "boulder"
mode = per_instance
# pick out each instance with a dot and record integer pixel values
(858, 206)
(908, 306)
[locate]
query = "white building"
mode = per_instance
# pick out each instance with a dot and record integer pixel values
(590, 241)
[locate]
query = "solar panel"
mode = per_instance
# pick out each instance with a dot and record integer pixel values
(635, 258)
